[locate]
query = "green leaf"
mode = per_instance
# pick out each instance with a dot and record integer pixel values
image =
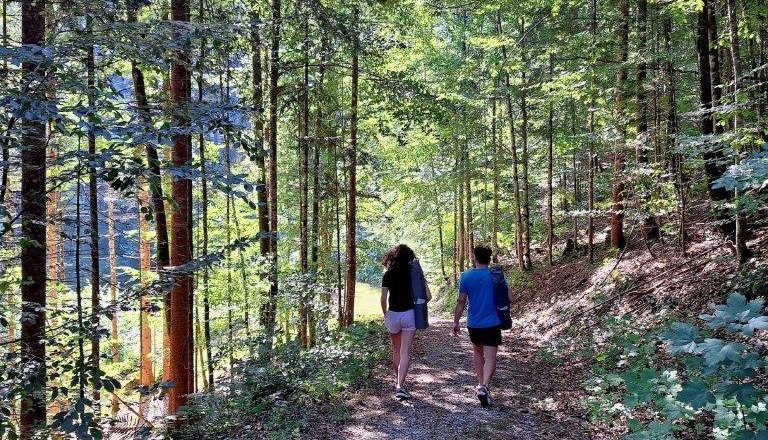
(696, 394)
(681, 338)
(745, 394)
(716, 351)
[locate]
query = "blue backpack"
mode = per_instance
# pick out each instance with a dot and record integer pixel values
(419, 294)
(501, 297)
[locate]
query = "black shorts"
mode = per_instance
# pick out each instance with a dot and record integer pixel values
(489, 336)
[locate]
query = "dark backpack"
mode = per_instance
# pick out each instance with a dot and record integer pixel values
(501, 297)
(419, 295)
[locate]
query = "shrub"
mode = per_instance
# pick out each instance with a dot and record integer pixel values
(708, 377)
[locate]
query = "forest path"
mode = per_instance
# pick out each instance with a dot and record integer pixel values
(532, 399)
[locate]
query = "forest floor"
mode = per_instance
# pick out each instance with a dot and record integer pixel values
(532, 398)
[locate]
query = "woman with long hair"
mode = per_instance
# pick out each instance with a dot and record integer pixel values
(397, 305)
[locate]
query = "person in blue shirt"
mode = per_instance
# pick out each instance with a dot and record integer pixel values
(476, 288)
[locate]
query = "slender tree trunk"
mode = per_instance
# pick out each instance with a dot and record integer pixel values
(524, 162)
(461, 239)
(146, 370)
(671, 134)
(81, 327)
(617, 216)
(439, 215)
(550, 166)
(591, 162)
(714, 65)
(258, 132)
(714, 166)
(650, 224)
(470, 233)
(319, 142)
(304, 179)
(3, 84)
(93, 209)
(733, 26)
(33, 229)
(158, 200)
(495, 145)
(115, 345)
(209, 382)
(513, 148)
(225, 93)
(181, 294)
(349, 307)
(337, 209)
(274, 76)
(456, 269)
(576, 182)
(642, 104)
(54, 263)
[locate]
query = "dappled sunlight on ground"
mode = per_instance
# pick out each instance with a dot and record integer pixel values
(444, 406)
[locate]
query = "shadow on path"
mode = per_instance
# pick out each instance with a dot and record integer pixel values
(531, 398)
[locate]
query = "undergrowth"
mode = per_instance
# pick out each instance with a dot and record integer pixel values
(693, 380)
(275, 399)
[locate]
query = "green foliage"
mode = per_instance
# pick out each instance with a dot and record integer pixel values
(283, 393)
(714, 368)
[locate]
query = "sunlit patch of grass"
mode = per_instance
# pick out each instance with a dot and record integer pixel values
(367, 302)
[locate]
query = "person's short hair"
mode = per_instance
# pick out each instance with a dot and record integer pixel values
(483, 254)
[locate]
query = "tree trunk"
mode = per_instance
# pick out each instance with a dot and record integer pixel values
(115, 345)
(650, 224)
(495, 145)
(713, 154)
(524, 162)
(733, 25)
(671, 132)
(146, 370)
(93, 210)
(513, 148)
(642, 104)
(714, 65)
(304, 180)
(591, 162)
(274, 76)
(337, 209)
(156, 191)
(210, 383)
(181, 334)
(461, 242)
(470, 237)
(349, 307)
(33, 229)
(550, 166)
(617, 216)
(225, 96)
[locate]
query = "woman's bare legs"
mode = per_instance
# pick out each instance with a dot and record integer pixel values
(396, 338)
(405, 356)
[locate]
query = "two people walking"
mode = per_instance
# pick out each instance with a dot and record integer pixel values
(478, 289)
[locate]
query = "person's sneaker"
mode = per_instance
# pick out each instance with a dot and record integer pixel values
(402, 394)
(484, 396)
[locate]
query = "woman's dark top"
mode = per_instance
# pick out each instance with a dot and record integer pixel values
(399, 284)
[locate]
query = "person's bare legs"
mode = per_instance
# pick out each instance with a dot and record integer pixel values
(396, 341)
(405, 355)
(489, 354)
(479, 361)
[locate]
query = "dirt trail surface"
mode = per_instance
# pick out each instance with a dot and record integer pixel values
(532, 399)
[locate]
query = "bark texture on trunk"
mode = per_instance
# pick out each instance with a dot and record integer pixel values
(349, 307)
(33, 229)
(180, 330)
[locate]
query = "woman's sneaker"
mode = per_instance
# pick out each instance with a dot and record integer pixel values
(402, 394)
(484, 396)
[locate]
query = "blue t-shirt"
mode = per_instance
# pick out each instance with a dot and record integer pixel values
(477, 284)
